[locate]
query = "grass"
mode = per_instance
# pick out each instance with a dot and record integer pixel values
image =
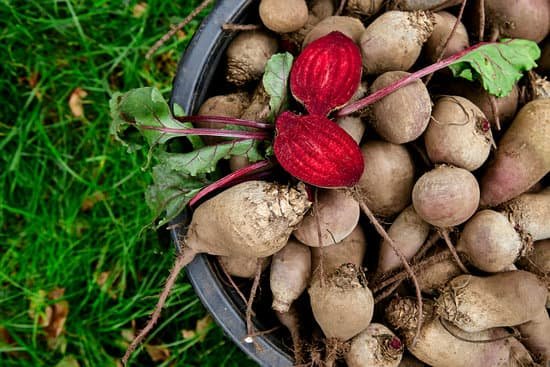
(71, 203)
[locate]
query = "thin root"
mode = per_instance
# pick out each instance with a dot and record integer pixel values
(382, 232)
(181, 261)
(494, 110)
(447, 327)
(249, 326)
(481, 9)
(445, 234)
(232, 283)
(448, 40)
(417, 267)
(341, 7)
(388, 292)
(319, 238)
(430, 242)
(177, 28)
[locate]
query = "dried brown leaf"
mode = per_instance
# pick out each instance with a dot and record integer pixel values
(75, 102)
(68, 361)
(139, 9)
(90, 201)
(60, 311)
(201, 329)
(157, 353)
(39, 310)
(102, 282)
(180, 35)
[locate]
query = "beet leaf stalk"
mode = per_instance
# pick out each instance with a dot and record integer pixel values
(240, 134)
(225, 120)
(498, 65)
(248, 172)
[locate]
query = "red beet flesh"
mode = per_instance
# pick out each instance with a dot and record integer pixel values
(326, 74)
(317, 151)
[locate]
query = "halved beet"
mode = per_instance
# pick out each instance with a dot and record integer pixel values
(326, 74)
(317, 151)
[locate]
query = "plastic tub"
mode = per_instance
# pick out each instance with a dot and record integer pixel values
(196, 73)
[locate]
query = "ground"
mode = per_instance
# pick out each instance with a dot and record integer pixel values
(77, 272)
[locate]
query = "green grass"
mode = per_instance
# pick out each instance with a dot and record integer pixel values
(71, 203)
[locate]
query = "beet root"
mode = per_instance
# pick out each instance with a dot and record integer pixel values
(375, 346)
(530, 214)
(523, 155)
(458, 134)
(409, 232)
(411, 5)
(289, 275)
(230, 105)
(338, 214)
(444, 24)
(394, 41)
(270, 212)
(330, 159)
(446, 196)
(535, 336)
(387, 181)
(351, 27)
(283, 16)
(432, 277)
(475, 303)
(490, 242)
(364, 8)
(247, 56)
(528, 19)
(438, 347)
(402, 116)
(342, 304)
(351, 249)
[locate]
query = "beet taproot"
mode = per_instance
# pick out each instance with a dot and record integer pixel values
(336, 212)
(247, 56)
(342, 304)
(289, 274)
(283, 16)
(393, 41)
(446, 196)
(523, 155)
(402, 116)
(458, 134)
(388, 178)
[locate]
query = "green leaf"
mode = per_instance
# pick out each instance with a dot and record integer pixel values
(275, 81)
(144, 108)
(204, 160)
(170, 192)
(498, 66)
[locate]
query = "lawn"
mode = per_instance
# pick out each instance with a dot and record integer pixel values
(77, 274)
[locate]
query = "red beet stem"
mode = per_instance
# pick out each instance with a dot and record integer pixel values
(225, 120)
(379, 94)
(257, 135)
(231, 178)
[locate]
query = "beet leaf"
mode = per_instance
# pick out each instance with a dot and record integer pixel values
(205, 159)
(498, 66)
(275, 82)
(144, 108)
(171, 192)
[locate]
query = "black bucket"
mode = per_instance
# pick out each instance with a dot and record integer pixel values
(196, 73)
